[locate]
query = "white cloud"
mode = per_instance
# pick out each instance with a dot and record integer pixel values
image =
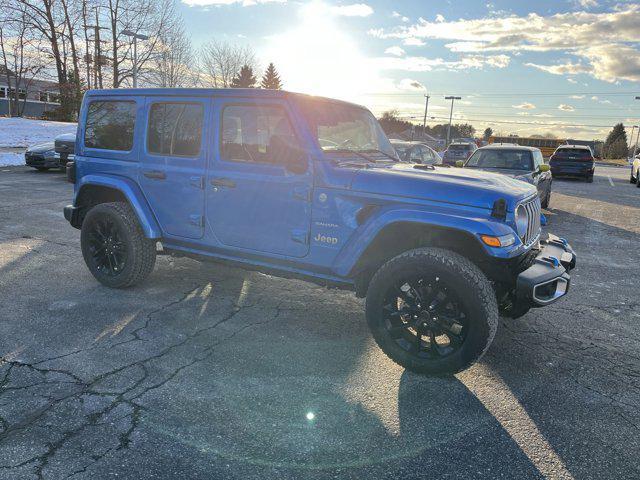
(525, 106)
(409, 84)
(572, 80)
(219, 3)
(561, 69)
(395, 14)
(424, 64)
(577, 97)
(413, 42)
(565, 108)
(605, 43)
(354, 10)
(397, 51)
(587, 3)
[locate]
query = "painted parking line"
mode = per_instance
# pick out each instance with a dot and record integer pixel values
(610, 181)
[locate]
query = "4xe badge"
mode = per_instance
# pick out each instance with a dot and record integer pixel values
(325, 239)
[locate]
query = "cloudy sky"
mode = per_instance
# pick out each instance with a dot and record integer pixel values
(571, 67)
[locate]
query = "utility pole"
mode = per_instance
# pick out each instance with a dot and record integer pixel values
(631, 138)
(426, 108)
(135, 36)
(452, 98)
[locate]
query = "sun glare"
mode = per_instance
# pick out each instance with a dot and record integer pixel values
(318, 56)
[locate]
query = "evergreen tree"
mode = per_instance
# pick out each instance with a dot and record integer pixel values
(244, 79)
(615, 146)
(488, 132)
(271, 79)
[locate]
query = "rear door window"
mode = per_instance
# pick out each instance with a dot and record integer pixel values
(175, 129)
(109, 125)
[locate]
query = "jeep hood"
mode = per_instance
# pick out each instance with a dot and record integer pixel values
(451, 185)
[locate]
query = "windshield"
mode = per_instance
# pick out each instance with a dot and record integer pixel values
(508, 159)
(339, 127)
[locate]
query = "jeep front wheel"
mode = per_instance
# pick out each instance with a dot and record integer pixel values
(432, 311)
(114, 246)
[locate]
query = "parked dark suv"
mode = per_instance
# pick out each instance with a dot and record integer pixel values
(458, 151)
(573, 161)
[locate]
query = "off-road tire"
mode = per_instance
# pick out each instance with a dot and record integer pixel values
(460, 275)
(632, 179)
(547, 200)
(140, 251)
(638, 180)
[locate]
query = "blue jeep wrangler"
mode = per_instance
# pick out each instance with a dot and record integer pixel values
(307, 187)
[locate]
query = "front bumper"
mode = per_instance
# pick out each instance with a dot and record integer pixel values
(547, 279)
(72, 215)
(40, 160)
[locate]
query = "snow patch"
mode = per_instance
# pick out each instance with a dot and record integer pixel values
(11, 158)
(25, 132)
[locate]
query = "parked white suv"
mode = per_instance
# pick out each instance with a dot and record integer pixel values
(635, 171)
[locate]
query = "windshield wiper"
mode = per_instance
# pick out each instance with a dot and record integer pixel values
(374, 150)
(358, 153)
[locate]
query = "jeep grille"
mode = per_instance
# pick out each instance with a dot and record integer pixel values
(533, 209)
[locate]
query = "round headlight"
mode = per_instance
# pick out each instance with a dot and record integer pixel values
(522, 221)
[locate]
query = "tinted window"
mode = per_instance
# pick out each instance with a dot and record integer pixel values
(460, 148)
(416, 155)
(573, 152)
(109, 125)
(175, 129)
(252, 133)
(509, 159)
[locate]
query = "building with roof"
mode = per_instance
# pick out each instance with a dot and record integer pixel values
(38, 96)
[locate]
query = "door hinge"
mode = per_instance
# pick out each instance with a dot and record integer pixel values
(197, 181)
(300, 236)
(197, 220)
(302, 192)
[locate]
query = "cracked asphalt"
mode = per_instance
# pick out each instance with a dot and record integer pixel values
(210, 372)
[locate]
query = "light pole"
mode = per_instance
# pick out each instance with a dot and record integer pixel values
(135, 36)
(450, 117)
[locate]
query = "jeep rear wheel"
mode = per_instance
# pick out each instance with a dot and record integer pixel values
(432, 311)
(114, 247)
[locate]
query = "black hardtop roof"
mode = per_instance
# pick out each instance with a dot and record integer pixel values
(211, 92)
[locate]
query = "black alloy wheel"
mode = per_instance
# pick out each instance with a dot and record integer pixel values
(107, 247)
(425, 318)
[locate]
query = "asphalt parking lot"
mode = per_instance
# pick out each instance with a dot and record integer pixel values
(211, 372)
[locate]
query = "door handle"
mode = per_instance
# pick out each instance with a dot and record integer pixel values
(223, 182)
(155, 174)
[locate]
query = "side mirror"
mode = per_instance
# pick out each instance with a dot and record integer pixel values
(284, 151)
(544, 168)
(459, 163)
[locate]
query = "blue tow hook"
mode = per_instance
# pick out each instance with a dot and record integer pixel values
(543, 220)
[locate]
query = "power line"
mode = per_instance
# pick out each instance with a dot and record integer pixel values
(521, 94)
(568, 117)
(511, 122)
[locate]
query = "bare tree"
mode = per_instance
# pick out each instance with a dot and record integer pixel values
(20, 55)
(170, 66)
(152, 18)
(220, 62)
